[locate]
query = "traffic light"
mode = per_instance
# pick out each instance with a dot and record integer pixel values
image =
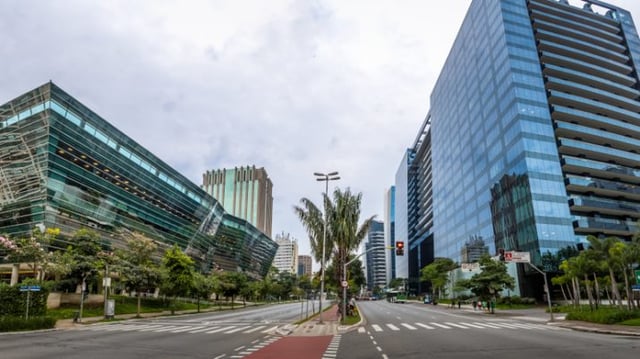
(501, 254)
(399, 248)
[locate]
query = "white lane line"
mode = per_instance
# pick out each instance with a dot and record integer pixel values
(254, 329)
(376, 327)
(425, 326)
(526, 326)
(440, 325)
(361, 330)
(151, 327)
(456, 325)
(408, 326)
(392, 327)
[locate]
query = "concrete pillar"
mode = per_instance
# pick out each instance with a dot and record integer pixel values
(15, 273)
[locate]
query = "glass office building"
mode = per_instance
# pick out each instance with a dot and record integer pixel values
(63, 166)
(535, 129)
(376, 256)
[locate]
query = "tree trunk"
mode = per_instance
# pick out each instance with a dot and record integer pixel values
(588, 289)
(576, 291)
(627, 290)
(595, 280)
(614, 288)
(564, 295)
(139, 300)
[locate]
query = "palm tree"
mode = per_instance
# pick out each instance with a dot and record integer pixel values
(603, 249)
(343, 233)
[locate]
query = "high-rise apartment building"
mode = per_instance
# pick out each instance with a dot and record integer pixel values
(63, 166)
(305, 265)
(532, 138)
(245, 192)
(390, 231)
(286, 259)
(376, 257)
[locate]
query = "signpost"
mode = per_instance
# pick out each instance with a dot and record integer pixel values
(29, 289)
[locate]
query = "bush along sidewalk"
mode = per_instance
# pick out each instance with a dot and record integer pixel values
(14, 324)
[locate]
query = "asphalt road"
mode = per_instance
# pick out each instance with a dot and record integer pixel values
(394, 330)
(228, 334)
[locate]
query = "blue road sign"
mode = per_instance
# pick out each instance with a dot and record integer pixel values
(30, 288)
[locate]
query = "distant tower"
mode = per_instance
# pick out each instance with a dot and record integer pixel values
(245, 192)
(376, 262)
(304, 265)
(286, 259)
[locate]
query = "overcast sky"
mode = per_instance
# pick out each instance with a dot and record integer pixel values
(296, 87)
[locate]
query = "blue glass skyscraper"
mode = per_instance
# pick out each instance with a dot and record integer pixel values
(534, 131)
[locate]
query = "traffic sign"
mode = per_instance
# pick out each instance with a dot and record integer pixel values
(635, 287)
(517, 257)
(637, 276)
(30, 288)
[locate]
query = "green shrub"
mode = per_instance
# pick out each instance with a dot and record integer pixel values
(14, 302)
(10, 324)
(603, 315)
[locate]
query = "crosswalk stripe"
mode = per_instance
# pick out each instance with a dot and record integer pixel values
(456, 325)
(270, 329)
(185, 329)
(392, 327)
(376, 327)
(254, 329)
(219, 330)
(526, 326)
(488, 325)
(166, 329)
(204, 329)
(237, 329)
(425, 326)
(440, 325)
(150, 328)
(408, 326)
(505, 325)
(472, 325)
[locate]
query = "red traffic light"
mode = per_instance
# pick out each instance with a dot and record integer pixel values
(399, 248)
(399, 245)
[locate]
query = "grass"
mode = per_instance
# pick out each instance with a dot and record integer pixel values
(127, 305)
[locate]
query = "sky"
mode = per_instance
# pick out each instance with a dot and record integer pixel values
(294, 86)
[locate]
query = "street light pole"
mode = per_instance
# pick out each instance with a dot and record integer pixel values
(546, 289)
(332, 176)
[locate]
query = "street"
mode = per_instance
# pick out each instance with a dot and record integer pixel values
(207, 335)
(425, 331)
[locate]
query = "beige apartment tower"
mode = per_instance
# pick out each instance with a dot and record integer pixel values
(245, 192)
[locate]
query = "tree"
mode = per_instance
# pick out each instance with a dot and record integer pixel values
(203, 287)
(178, 272)
(437, 273)
(138, 269)
(492, 279)
(601, 251)
(84, 247)
(343, 234)
(232, 284)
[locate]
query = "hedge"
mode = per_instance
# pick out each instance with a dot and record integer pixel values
(14, 302)
(10, 324)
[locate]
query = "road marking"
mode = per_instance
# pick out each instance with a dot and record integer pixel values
(204, 329)
(270, 329)
(440, 325)
(505, 325)
(425, 326)
(150, 328)
(185, 329)
(472, 325)
(392, 327)
(487, 325)
(254, 329)
(237, 329)
(456, 325)
(376, 327)
(361, 330)
(219, 330)
(166, 329)
(408, 326)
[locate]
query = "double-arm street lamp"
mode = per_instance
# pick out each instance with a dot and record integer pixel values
(332, 176)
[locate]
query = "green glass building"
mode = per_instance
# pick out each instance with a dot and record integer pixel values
(64, 166)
